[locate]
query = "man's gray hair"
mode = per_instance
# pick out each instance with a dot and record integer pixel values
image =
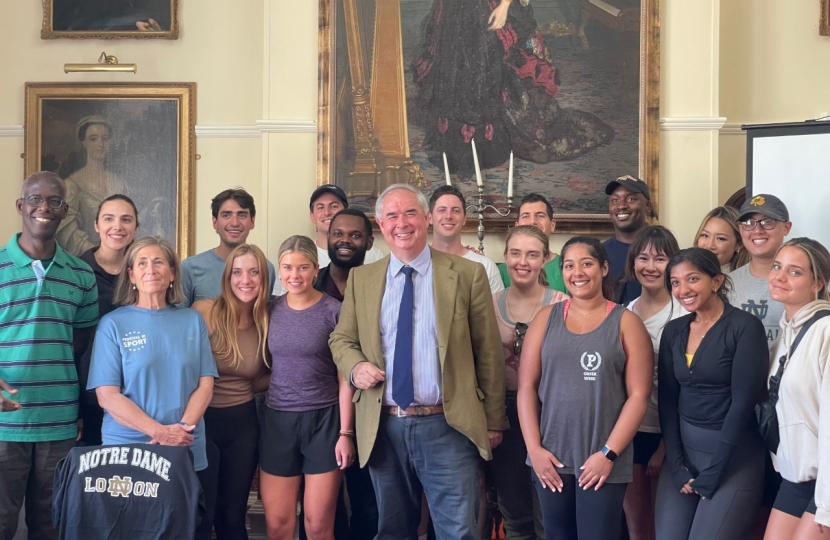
(37, 176)
(422, 199)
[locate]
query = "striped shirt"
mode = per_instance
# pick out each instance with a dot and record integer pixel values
(39, 307)
(426, 367)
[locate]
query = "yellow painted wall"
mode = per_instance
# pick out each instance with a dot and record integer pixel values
(688, 89)
(220, 49)
(773, 69)
(258, 61)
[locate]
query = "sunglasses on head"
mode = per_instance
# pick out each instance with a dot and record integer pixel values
(521, 330)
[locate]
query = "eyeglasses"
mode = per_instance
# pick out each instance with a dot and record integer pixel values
(766, 224)
(521, 330)
(36, 200)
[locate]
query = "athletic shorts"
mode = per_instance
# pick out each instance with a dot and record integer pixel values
(295, 443)
(795, 499)
(645, 444)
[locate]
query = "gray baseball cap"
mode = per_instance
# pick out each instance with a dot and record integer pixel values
(764, 204)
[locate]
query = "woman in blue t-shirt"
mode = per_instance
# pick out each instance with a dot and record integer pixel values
(152, 368)
(309, 420)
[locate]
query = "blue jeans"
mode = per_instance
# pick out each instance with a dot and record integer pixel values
(415, 455)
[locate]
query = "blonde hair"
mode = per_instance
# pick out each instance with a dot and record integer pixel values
(729, 215)
(225, 313)
(819, 262)
(535, 232)
(126, 295)
(299, 244)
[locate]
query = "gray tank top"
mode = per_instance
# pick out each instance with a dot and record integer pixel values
(582, 392)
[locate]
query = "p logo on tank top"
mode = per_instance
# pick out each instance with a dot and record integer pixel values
(590, 362)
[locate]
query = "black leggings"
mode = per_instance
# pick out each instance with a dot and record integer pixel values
(729, 513)
(577, 514)
(235, 432)
(207, 478)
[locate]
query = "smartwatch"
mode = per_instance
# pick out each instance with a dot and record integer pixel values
(610, 455)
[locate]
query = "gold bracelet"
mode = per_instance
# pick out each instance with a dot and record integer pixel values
(347, 433)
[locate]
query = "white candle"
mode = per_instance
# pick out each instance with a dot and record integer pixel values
(479, 181)
(447, 169)
(510, 178)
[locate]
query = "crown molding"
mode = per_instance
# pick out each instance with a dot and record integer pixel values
(228, 132)
(287, 126)
(220, 132)
(732, 128)
(11, 131)
(714, 123)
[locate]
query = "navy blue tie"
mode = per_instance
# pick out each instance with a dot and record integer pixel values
(402, 390)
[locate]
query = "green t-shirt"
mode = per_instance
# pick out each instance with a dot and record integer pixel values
(552, 271)
(39, 308)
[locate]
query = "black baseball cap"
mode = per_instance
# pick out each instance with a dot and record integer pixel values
(328, 188)
(634, 185)
(766, 205)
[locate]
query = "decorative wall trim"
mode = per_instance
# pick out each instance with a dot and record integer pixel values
(287, 126)
(732, 128)
(228, 132)
(692, 124)
(221, 132)
(11, 131)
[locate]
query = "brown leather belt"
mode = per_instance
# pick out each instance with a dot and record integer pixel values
(414, 410)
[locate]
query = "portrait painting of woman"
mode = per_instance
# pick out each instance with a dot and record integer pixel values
(132, 146)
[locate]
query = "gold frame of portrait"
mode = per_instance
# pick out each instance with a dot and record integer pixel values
(368, 158)
(183, 93)
(47, 32)
(824, 18)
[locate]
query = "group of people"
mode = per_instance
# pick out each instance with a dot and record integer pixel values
(610, 387)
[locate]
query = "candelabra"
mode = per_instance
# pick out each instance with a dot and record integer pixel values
(479, 208)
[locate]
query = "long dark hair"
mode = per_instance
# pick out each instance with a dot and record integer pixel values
(659, 238)
(118, 197)
(730, 216)
(705, 261)
(598, 252)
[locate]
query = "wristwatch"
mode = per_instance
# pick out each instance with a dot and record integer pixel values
(609, 454)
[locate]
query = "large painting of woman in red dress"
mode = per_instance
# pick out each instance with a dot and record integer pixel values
(484, 71)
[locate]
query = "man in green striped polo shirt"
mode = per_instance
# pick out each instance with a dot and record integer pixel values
(48, 310)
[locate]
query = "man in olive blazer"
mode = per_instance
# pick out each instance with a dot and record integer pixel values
(458, 414)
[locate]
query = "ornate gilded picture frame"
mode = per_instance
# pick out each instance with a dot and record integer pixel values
(571, 87)
(102, 139)
(110, 19)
